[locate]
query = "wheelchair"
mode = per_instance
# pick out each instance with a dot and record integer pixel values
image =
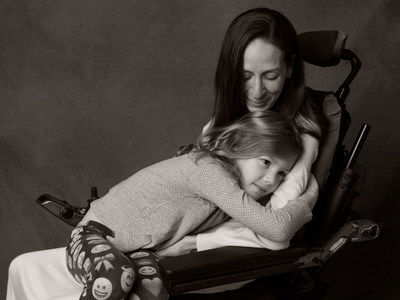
(334, 224)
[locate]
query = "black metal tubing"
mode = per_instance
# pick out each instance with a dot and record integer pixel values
(355, 62)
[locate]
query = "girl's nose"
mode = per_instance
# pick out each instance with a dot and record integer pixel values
(270, 178)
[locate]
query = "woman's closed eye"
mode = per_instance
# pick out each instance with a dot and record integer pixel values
(271, 76)
(247, 75)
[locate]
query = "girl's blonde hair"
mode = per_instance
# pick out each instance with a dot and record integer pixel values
(253, 135)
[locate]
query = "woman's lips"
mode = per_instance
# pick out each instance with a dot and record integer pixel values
(264, 102)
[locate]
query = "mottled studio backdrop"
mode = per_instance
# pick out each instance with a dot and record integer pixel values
(91, 91)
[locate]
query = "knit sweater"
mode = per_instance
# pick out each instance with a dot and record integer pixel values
(159, 205)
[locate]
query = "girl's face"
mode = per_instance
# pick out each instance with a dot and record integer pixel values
(265, 72)
(261, 176)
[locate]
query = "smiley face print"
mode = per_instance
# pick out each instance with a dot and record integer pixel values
(94, 239)
(144, 262)
(76, 243)
(76, 231)
(100, 248)
(147, 270)
(127, 278)
(87, 264)
(81, 256)
(139, 254)
(76, 253)
(69, 259)
(102, 288)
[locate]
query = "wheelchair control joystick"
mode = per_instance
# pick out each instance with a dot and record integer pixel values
(65, 211)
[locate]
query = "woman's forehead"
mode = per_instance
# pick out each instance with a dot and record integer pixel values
(262, 54)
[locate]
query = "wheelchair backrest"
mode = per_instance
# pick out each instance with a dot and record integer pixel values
(326, 49)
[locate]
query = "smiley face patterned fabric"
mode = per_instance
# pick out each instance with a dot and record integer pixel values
(105, 272)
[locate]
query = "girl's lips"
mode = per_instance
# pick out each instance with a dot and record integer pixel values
(263, 190)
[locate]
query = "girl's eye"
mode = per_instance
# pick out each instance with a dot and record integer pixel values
(266, 162)
(282, 174)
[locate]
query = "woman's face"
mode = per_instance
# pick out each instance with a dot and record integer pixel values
(264, 72)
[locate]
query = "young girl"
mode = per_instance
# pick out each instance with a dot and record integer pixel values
(231, 168)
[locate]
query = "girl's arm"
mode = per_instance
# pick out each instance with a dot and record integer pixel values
(294, 184)
(233, 233)
(213, 182)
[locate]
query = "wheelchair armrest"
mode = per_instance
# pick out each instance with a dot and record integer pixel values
(62, 209)
(224, 265)
(360, 230)
(230, 264)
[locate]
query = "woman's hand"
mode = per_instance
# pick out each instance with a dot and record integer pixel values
(310, 195)
(296, 182)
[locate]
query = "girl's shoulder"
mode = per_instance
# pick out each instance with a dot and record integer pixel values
(207, 164)
(200, 158)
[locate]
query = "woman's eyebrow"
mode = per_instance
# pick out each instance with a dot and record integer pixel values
(277, 69)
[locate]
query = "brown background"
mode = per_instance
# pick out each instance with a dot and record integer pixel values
(91, 91)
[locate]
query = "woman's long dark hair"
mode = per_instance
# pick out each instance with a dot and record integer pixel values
(275, 28)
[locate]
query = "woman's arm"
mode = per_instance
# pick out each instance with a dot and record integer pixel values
(294, 184)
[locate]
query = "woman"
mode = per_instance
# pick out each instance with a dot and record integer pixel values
(260, 68)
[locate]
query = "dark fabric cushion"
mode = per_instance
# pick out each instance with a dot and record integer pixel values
(332, 112)
(322, 48)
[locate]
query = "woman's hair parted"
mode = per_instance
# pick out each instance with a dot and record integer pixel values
(255, 134)
(275, 28)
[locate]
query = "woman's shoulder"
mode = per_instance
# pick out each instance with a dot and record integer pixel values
(208, 125)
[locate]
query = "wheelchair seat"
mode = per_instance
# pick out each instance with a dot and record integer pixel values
(333, 225)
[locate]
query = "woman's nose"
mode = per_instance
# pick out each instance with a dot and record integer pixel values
(257, 89)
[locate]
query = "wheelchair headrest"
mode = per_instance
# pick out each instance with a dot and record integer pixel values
(322, 48)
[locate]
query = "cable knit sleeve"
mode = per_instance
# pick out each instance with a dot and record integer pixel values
(215, 184)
